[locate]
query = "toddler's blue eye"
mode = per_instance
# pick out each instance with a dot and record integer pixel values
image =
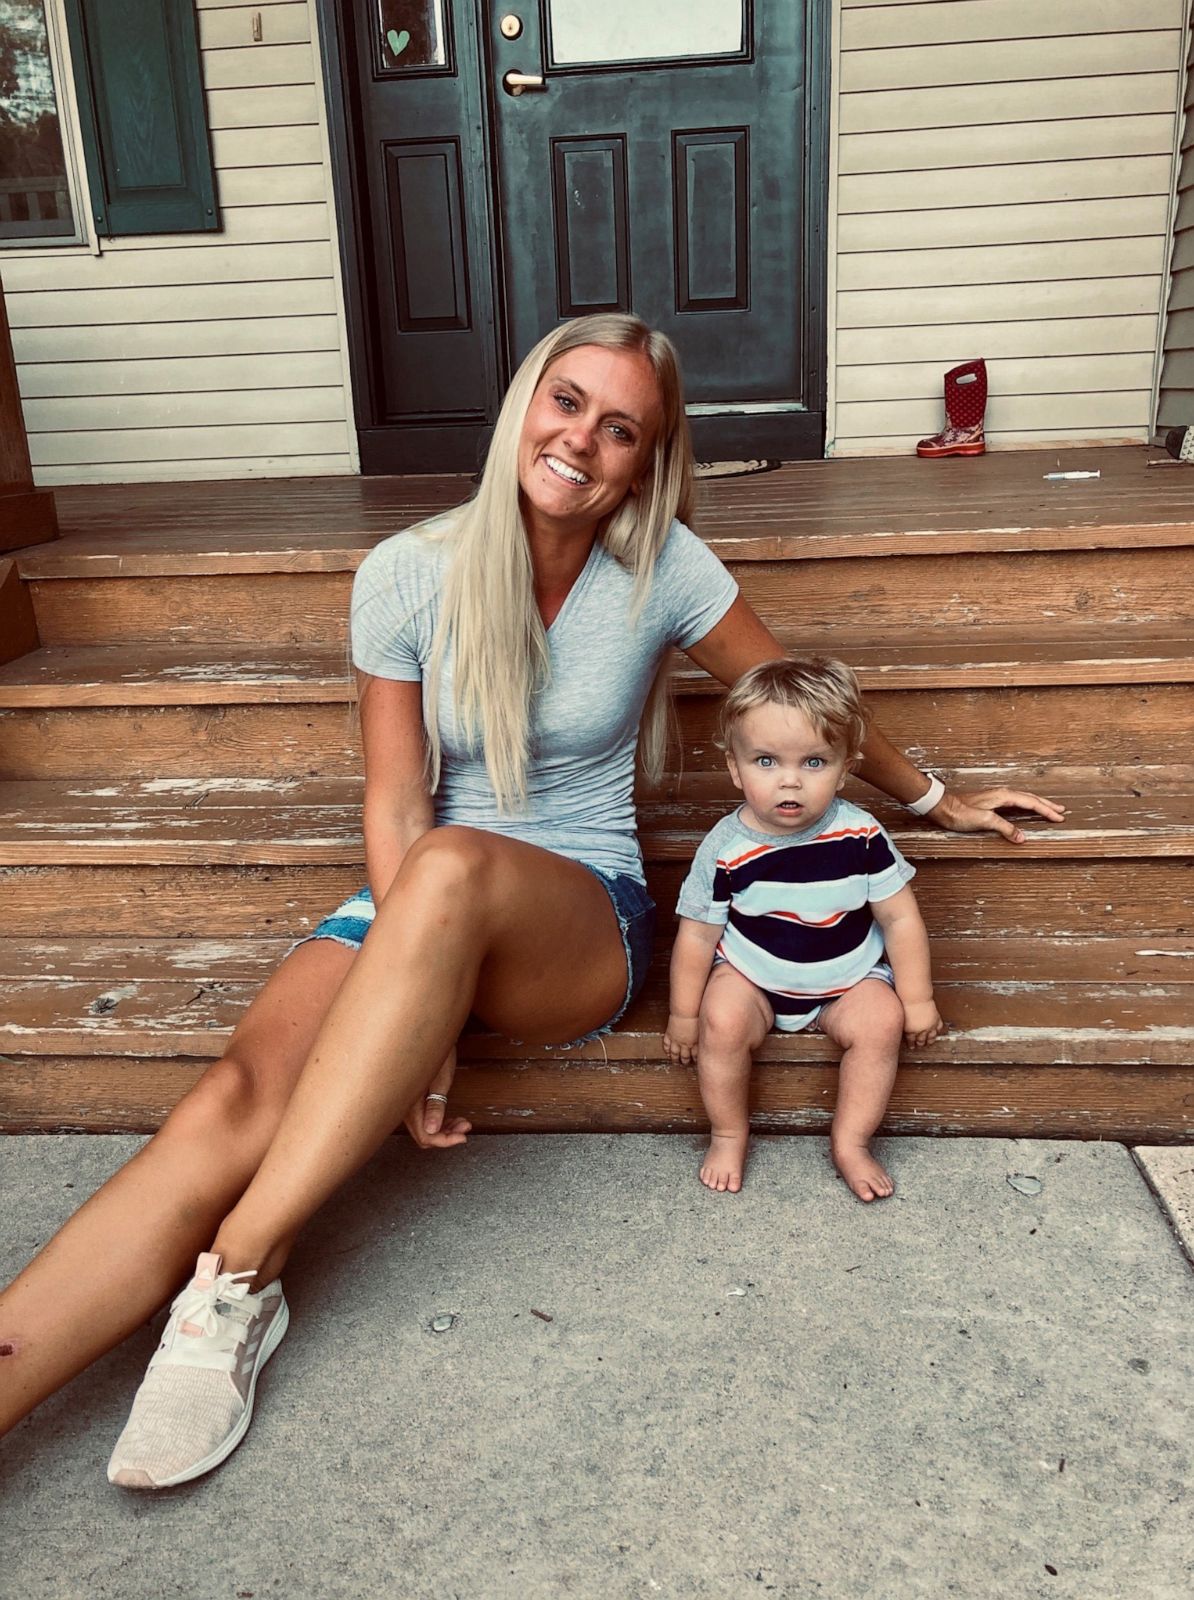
(816, 762)
(766, 761)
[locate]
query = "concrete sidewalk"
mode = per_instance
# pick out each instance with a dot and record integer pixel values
(964, 1391)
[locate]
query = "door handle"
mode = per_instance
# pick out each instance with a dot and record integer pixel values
(516, 82)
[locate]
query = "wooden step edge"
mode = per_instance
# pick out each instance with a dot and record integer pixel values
(1054, 1046)
(49, 677)
(1135, 1104)
(679, 845)
(747, 538)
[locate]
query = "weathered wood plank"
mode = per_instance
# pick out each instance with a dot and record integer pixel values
(120, 1095)
(827, 508)
(1119, 588)
(255, 821)
(1005, 1001)
(946, 725)
(1140, 898)
(157, 674)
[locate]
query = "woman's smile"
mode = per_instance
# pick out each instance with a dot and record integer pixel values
(587, 438)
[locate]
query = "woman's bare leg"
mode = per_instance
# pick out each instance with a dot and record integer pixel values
(473, 921)
(124, 1253)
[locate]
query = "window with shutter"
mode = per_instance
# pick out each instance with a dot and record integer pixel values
(143, 117)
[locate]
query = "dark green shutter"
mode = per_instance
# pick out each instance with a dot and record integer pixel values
(144, 122)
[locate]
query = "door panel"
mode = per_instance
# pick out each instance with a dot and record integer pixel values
(432, 362)
(656, 162)
(704, 135)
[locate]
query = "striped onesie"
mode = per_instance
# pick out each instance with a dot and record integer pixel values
(796, 908)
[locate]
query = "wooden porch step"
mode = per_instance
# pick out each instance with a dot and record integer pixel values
(936, 586)
(1002, 501)
(1098, 1040)
(161, 674)
(1133, 812)
(1026, 1000)
(240, 711)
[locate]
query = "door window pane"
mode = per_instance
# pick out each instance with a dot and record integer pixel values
(34, 192)
(643, 30)
(411, 34)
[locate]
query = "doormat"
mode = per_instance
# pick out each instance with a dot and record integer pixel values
(732, 469)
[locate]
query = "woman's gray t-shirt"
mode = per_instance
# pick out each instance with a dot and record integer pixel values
(584, 726)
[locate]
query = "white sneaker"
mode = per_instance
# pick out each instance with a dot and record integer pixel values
(196, 1401)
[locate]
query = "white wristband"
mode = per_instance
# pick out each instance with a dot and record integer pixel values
(930, 798)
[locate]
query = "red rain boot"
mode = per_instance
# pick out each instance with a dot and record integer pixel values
(965, 406)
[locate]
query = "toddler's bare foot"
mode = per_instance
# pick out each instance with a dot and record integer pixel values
(724, 1162)
(858, 1167)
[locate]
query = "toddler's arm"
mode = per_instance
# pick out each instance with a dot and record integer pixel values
(907, 943)
(692, 961)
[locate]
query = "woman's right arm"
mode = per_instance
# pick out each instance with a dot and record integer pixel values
(398, 807)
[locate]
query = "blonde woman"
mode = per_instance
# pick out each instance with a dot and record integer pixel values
(506, 657)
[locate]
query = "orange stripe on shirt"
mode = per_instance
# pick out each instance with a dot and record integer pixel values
(806, 922)
(759, 850)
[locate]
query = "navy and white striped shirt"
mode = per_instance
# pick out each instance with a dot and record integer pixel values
(796, 908)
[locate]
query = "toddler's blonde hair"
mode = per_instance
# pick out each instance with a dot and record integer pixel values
(821, 688)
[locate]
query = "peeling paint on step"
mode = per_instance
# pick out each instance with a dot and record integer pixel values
(107, 1002)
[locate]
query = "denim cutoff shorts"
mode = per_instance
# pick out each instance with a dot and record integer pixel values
(633, 907)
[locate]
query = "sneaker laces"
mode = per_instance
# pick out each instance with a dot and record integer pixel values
(213, 1319)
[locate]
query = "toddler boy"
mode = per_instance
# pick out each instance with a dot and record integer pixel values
(797, 914)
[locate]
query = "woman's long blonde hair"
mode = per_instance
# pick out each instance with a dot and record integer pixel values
(488, 610)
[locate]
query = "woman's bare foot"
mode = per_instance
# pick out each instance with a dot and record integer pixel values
(724, 1162)
(859, 1169)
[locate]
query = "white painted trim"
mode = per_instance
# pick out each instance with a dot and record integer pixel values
(831, 225)
(321, 104)
(1179, 128)
(72, 148)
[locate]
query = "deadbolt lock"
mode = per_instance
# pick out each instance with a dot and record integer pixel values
(511, 26)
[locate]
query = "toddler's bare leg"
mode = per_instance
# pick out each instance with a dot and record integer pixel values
(868, 1023)
(734, 1022)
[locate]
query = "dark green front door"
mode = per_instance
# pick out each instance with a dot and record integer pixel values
(521, 164)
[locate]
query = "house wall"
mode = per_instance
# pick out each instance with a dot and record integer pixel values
(1175, 404)
(203, 355)
(1002, 189)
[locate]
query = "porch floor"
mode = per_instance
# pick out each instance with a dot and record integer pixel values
(1000, 500)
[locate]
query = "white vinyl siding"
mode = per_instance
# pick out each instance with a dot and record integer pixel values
(203, 355)
(1175, 406)
(1001, 189)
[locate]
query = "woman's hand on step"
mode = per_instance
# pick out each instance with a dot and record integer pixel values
(977, 811)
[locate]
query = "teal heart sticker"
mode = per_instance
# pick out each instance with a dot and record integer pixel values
(397, 41)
